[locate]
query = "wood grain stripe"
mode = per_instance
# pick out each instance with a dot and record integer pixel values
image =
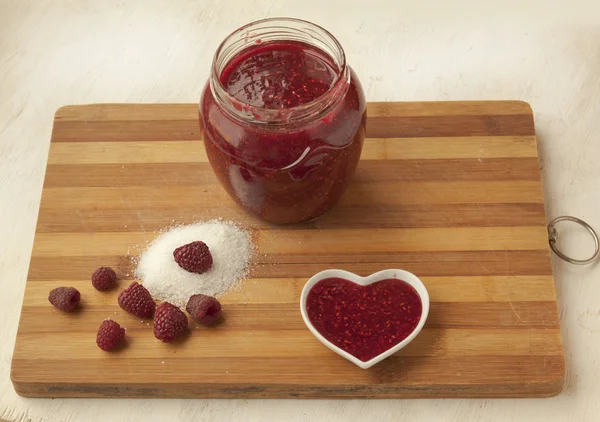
(221, 343)
(457, 125)
(425, 264)
(186, 111)
(353, 241)
(390, 195)
(287, 290)
(546, 388)
(377, 127)
(152, 218)
(467, 263)
(374, 149)
(125, 130)
(448, 192)
(449, 108)
(449, 147)
(127, 112)
(150, 122)
(399, 240)
(198, 174)
(286, 316)
(467, 169)
(78, 153)
(396, 371)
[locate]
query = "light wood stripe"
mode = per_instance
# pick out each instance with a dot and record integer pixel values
(286, 316)
(450, 126)
(404, 240)
(200, 174)
(481, 147)
(169, 112)
(126, 112)
(374, 149)
(182, 126)
(217, 343)
(449, 192)
(77, 153)
(152, 218)
(467, 263)
(490, 289)
(287, 290)
(449, 108)
(271, 241)
(382, 194)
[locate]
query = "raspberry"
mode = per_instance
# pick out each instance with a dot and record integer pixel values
(110, 335)
(204, 309)
(104, 278)
(194, 257)
(169, 322)
(65, 298)
(137, 301)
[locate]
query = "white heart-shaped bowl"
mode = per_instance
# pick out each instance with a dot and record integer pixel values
(409, 278)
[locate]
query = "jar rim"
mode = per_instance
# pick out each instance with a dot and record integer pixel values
(262, 115)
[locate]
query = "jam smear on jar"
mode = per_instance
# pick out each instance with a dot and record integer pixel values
(365, 321)
(293, 169)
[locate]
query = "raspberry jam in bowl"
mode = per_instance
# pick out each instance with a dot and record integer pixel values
(283, 119)
(365, 319)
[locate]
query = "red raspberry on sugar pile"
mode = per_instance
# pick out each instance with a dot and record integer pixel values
(137, 300)
(194, 257)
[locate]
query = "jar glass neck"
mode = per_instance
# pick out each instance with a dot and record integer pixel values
(279, 30)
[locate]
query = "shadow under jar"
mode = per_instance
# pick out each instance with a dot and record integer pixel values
(283, 118)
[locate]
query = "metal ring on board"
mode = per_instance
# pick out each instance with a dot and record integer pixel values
(553, 235)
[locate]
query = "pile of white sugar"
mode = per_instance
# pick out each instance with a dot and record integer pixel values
(230, 247)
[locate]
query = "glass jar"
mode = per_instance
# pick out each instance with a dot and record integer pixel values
(283, 118)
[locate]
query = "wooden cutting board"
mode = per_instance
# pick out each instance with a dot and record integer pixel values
(448, 191)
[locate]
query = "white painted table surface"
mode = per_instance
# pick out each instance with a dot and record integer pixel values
(54, 53)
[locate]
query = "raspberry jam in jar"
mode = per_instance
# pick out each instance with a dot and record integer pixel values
(283, 118)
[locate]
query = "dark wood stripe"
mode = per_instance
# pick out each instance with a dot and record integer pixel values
(369, 196)
(370, 171)
(75, 268)
(177, 111)
(342, 217)
(448, 108)
(461, 125)
(137, 174)
(378, 126)
(493, 314)
(532, 389)
(433, 215)
(466, 169)
(286, 316)
(411, 258)
(423, 263)
(189, 111)
(126, 130)
(483, 376)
